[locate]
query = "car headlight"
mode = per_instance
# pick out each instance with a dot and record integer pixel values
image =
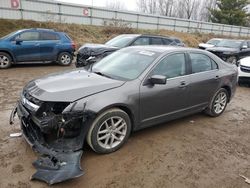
(31, 106)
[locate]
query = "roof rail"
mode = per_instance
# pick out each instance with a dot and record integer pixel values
(43, 29)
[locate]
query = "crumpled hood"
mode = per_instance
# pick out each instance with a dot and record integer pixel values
(69, 86)
(245, 61)
(222, 49)
(95, 49)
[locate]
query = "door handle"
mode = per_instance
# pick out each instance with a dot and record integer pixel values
(182, 84)
(216, 77)
(37, 44)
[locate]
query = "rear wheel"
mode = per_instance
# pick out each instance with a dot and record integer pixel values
(109, 131)
(65, 58)
(218, 103)
(5, 60)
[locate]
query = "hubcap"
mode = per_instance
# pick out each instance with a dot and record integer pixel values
(4, 61)
(65, 59)
(112, 132)
(220, 102)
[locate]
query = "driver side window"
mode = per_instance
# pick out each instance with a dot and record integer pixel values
(141, 41)
(28, 36)
(172, 66)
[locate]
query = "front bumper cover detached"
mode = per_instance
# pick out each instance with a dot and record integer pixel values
(53, 165)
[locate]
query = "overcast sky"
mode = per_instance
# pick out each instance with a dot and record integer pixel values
(129, 4)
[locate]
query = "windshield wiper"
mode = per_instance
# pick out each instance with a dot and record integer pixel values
(102, 74)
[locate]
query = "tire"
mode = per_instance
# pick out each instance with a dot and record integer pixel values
(218, 103)
(101, 134)
(5, 60)
(65, 58)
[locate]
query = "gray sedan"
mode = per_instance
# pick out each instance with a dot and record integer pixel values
(131, 89)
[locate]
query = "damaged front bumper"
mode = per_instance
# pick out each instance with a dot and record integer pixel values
(59, 153)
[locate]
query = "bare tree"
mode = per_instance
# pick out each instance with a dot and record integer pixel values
(188, 9)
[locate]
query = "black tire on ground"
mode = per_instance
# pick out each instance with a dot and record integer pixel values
(218, 103)
(65, 58)
(106, 137)
(5, 60)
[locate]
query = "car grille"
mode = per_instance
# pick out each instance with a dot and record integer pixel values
(245, 69)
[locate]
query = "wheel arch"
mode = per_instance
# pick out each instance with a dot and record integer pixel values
(124, 108)
(10, 54)
(229, 91)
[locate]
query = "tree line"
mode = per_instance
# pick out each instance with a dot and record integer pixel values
(233, 12)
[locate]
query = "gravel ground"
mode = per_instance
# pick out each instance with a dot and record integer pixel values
(197, 151)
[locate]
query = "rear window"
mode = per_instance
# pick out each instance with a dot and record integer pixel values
(49, 36)
(168, 41)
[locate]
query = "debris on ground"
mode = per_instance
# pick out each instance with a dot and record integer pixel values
(247, 180)
(15, 135)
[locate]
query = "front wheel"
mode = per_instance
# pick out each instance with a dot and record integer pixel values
(65, 58)
(5, 60)
(218, 103)
(109, 131)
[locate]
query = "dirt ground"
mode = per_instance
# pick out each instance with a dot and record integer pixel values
(196, 151)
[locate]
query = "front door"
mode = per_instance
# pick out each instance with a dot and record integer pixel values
(26, 46)
(159, 103)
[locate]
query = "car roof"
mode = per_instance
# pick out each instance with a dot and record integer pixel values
(217, 39)
(164, 49)
(37, 29)
(149, 35)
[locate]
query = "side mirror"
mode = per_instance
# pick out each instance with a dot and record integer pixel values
(158, 79)
(18, 41)
(244, 47)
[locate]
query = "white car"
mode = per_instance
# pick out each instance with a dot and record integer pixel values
(244, 70)
(211, 43)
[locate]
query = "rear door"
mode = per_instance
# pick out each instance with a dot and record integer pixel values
(163, 102)
(28, 46)
(48, 45)
(204, 79)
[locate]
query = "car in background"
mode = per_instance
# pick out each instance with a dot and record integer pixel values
(230, 50)
(36, 46)
(131, 89)
(211, 43)
(244, 71)
(91, 53)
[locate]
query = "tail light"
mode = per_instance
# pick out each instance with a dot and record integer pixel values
(73, 45)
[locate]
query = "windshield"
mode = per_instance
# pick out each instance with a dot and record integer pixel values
(6, 36)
(230, 43)
(125, 65)
(120, 41)
(213, 42)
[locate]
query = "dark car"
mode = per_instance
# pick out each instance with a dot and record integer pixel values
(231, 50)
(91, 53)
(131, 89)
(36, 46)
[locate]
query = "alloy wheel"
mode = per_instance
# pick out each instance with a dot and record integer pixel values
(4, 61)
(220, 102)
(65, 59)
(112, 132)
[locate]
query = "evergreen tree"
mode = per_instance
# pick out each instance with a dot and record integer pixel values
(230, 12)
